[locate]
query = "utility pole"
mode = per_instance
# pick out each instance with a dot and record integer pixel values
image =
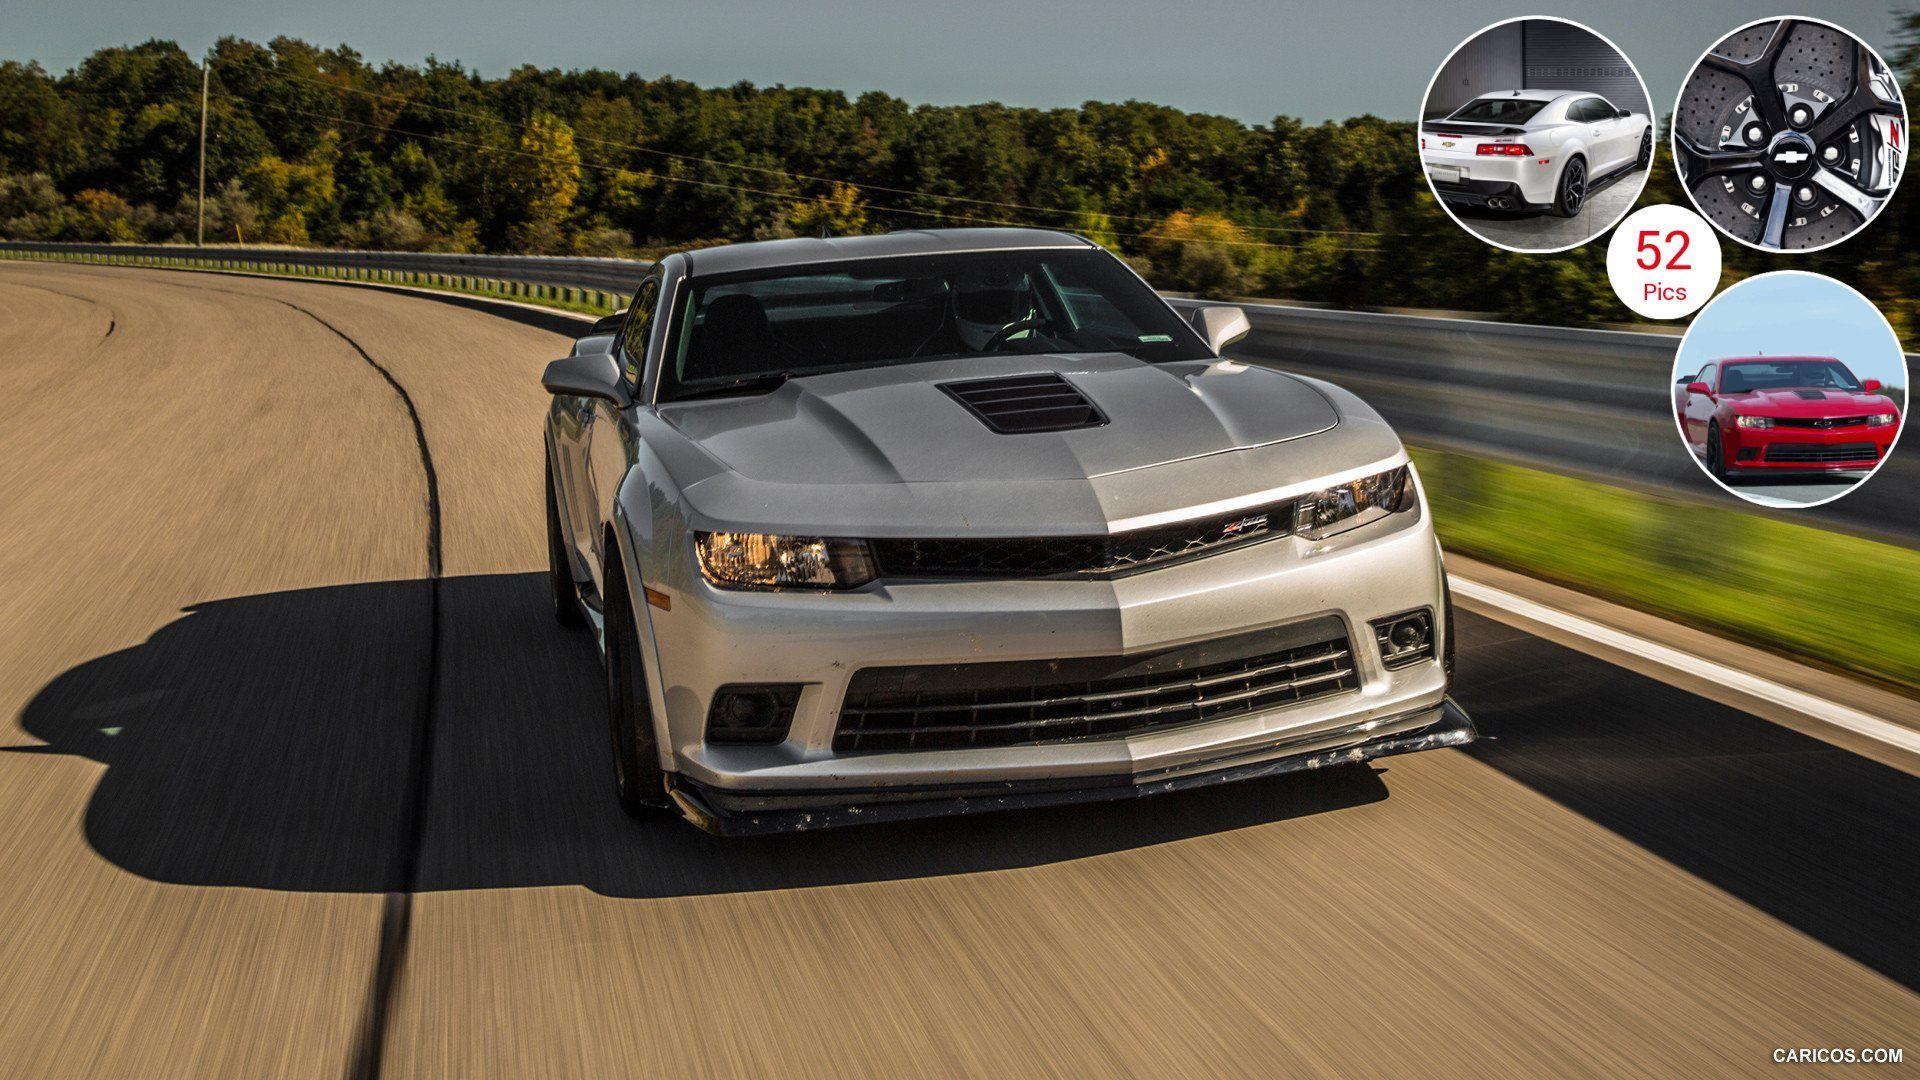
(200, 224)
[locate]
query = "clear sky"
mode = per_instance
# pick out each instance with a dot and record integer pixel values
(1796, 315)
(1250, 59)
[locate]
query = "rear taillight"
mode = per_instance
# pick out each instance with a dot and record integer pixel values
(1503, 149)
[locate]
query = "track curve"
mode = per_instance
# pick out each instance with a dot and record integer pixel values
(220, 632)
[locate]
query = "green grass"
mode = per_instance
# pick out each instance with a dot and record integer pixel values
(1836, 600)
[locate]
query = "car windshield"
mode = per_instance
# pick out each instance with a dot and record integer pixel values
(1785, 374)
(749, 330)
(1505, 110)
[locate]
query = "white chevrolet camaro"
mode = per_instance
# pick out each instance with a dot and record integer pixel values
(1533, 150)
(878, 527)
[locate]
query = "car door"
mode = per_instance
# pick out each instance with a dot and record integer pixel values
(1597, 118)
(609, 436)
(1621, 133)
(1700, 408)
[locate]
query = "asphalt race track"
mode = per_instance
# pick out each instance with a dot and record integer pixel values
(302, 779)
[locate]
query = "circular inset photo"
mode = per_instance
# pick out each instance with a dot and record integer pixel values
(1789, 389)
(1790, 134)
(1536, 134)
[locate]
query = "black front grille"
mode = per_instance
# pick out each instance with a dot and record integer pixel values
(1024, 404)
(1817, 452)
(1024, 702)
(1819, 423)
(1080, 556)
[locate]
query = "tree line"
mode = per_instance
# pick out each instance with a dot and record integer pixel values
(313, 146)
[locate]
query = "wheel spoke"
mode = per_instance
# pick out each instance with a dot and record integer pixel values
(1838, 186)
(1774, 235)
(1697, 164)
(1758, 75)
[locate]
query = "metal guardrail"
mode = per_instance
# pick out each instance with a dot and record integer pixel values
(1589, 402)
(614, 277)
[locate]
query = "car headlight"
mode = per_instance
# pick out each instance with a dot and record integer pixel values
(1320, 514)
(763, 561)
(1761, 422)
(1884, 419)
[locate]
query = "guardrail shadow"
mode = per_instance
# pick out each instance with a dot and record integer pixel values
(1813, 835)
(264, 742)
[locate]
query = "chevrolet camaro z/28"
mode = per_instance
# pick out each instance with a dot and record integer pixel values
(1781, 415)
(895, 526)
(1533, 150)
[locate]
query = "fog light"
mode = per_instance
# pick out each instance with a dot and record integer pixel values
(744, 713)
(1747, 453)
(1406, 638)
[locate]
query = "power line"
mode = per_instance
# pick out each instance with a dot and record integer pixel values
(767, 170)
(711, 184)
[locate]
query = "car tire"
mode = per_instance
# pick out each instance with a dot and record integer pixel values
(639, 785)
(1645, 160)
(1571, 193)
(566, 599)
(1716, 453)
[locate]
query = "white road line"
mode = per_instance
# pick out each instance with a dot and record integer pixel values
(1828, 712)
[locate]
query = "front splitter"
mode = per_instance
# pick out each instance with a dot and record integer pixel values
(726, 813)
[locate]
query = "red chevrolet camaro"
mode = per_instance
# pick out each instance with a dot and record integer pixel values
(1772, 415)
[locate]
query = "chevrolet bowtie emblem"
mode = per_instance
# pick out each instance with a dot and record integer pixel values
(1791, 157)
(1448, 143)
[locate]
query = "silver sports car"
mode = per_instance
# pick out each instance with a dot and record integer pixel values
(894, 526)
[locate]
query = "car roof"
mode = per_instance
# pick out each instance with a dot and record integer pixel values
(1531, 95)
(807, 250)
(1779, 359)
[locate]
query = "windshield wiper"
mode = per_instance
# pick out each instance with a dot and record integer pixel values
(752, 384)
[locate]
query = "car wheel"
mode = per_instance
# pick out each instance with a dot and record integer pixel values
(566, 600)
(1716, 453)
(638, 783)
(1573, 189)
(1646, 150)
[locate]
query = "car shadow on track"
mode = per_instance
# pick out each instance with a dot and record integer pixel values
(264, 742)
(1815, 836)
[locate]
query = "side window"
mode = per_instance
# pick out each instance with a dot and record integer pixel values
(1706, 375)
(633, 339)
(1586, 110)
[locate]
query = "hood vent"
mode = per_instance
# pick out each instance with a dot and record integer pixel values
(1811, 395)
(1024, 404)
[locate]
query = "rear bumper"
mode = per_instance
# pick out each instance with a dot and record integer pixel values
(1471, 180)
(1492, 194)
(746, 813)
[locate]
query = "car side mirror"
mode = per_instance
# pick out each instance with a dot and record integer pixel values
(1698, 387)
(591, 375)
(1221, 325)
(1871, 386)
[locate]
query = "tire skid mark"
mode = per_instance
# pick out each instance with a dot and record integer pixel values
(396, 916)
(113, 323)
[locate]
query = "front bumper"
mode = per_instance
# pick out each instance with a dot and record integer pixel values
(1774, 451)
(728, 813)
(706, 638)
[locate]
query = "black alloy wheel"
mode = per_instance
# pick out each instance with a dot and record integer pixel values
(638, 783)
(1573, 189)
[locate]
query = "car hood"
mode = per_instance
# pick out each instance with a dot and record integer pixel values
(897, 424)
(1805, 402)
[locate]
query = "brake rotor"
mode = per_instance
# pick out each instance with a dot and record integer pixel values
(1790, 134)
